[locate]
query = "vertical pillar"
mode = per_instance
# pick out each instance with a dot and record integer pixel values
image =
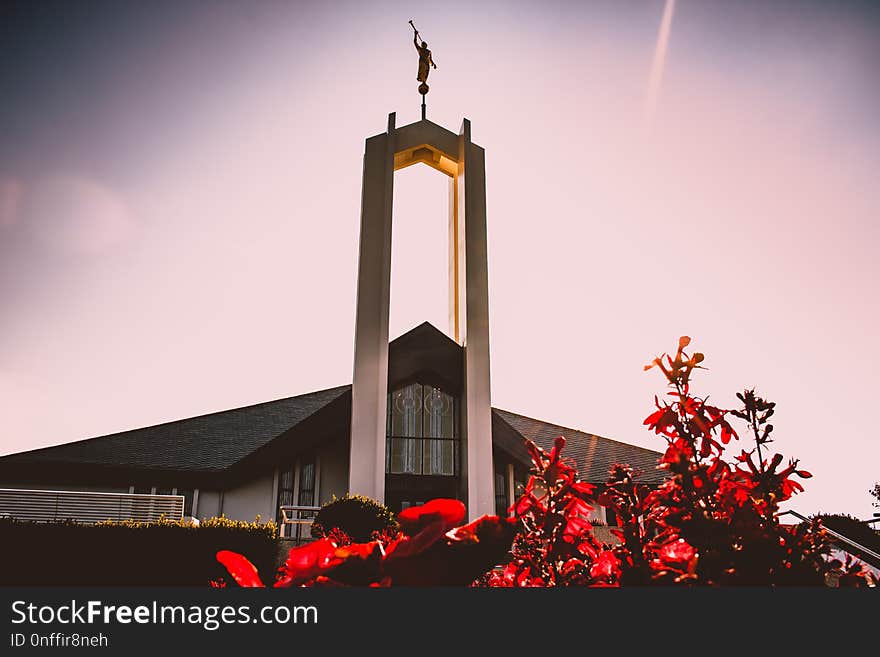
(511, 486)
(456, 264)
(471, 202)
(366, 475)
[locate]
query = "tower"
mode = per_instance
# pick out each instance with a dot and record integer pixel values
(463, 161)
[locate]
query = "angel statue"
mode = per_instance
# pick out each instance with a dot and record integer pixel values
(425, 61)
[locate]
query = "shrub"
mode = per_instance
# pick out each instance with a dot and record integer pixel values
(714, 522)
(163, 553)
(357, 516)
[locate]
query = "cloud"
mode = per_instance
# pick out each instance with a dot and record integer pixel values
(74, 215)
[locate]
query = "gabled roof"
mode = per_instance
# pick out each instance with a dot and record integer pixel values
(212, 442)
(237, 440)
(593, 454)
(427, 354)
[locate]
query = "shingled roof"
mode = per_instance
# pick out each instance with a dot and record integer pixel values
(217, 441)
(212, 442)
(593, 454)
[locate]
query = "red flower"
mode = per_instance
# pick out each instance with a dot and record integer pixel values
(677, 553)
(605, 567)
(424, 526)
(414, 519)
(662, 420)
(242, 570)
(454, 557)
(576, 523)
(678, 451)
(309, 561)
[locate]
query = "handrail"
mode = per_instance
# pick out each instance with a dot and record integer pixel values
(836, 535)
(290, 515)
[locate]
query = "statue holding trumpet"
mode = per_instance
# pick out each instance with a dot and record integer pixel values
(425, 61)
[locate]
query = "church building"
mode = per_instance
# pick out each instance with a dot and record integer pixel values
(416, 422)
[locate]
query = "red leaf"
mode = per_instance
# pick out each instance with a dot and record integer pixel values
(587, 548)
(242, 570)
(583, 489)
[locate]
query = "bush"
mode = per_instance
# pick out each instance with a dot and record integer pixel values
(356, 516)
(164, 553)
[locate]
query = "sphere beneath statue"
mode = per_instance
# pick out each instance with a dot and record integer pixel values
(423, 88)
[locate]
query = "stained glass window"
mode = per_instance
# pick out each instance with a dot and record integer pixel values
(421, 428)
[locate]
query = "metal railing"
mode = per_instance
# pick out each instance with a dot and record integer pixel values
(87, 507)
(837, 535)
(296, 522)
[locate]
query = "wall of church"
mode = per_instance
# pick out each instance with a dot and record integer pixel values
(334, 471)
(209, 504)
(245, 502)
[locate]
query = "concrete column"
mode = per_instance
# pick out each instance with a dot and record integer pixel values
(366, 474)
(457, 299)
(477, 398)
(511, 486)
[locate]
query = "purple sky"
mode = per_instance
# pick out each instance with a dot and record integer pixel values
(180, 189)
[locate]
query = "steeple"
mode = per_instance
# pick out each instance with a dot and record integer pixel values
(463, 162)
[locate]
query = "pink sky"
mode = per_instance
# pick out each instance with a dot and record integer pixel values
(179, 214)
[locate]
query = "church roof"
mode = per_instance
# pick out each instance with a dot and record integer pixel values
(230, 443)
(593, 454)
(215, 441)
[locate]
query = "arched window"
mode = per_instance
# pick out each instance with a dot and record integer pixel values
(422, 432)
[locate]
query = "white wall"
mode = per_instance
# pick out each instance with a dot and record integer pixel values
(245, 502)
(334, 471)
(209, 504)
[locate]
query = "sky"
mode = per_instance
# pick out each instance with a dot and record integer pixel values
(180, 197)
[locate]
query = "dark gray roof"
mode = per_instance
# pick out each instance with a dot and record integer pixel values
(210, 442)
(592, 454)
(213, 443)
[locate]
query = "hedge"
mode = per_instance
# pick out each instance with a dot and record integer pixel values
(164, 553)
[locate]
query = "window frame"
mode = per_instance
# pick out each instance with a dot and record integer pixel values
(422, 457)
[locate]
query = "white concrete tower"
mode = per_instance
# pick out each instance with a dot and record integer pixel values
(457, 157)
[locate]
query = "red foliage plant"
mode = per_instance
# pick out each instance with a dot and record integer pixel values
(556, 546)
(713, 522)
(433, 549)
(710, 523)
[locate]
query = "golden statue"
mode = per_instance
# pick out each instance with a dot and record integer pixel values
(425, 61)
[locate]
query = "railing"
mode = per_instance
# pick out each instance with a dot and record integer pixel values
(840, 537)
(296, 522)
(87, 507)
